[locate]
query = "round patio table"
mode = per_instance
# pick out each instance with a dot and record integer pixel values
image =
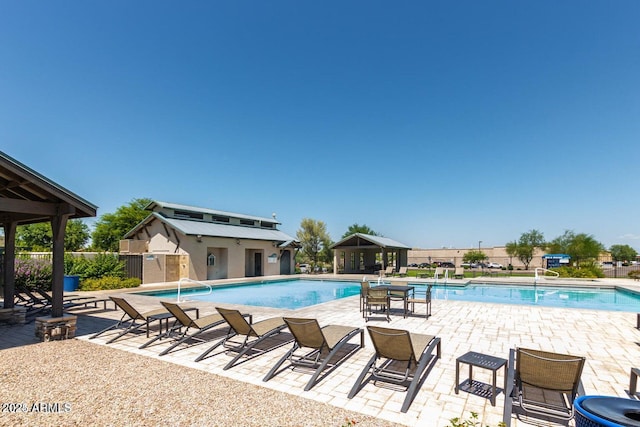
(606, 411)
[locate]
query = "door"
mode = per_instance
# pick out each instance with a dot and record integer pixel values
(285, 263)
(257, 264)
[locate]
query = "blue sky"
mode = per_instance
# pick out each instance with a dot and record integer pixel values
(434, 123)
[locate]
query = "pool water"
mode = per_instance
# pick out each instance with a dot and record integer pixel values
(298, 293)
(290, 294)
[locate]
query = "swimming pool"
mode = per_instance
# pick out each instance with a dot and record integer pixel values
(298, 293)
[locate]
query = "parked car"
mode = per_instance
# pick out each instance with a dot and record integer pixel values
(412, 265)
(424, 265)
(304, 268)
(447, 265)
(494, 265)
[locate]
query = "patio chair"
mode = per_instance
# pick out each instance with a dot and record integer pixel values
(253, 335)
(379, 298)
(325, 343)
(388, 272)
(401, 358)
(364, 288)
(183, 325)
(417, 298)
(459, 273)
(129, 320)
(542, 384)
(439, 272)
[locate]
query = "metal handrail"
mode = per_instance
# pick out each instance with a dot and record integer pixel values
(186, 279)
(536, 276)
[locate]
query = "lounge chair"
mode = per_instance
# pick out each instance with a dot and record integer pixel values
(377, 297)
(418, 298)
(388, 272)
(402, 272)
(542, 383)
(459, 273)
(408, 358)
(325, 343)
(259, 331)
(129, 320)
(184, 324)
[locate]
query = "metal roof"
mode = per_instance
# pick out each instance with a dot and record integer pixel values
(20, 184)
(360, 239)
(203, 228)
(151, 206)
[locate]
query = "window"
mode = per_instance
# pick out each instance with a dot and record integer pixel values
(211, 260)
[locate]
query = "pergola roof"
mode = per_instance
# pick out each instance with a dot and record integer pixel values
(26, 197)
(359, 240)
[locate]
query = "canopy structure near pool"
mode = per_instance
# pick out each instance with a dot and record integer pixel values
(366, 254)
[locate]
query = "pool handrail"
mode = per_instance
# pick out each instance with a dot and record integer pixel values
(536, 276)
(186, 279)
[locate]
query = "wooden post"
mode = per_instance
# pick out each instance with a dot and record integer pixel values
(58, 226)
(9, 263)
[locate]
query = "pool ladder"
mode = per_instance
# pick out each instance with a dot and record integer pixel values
(186, 279)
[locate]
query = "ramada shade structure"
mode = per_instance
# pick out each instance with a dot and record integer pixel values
(364, 253)
(26, 197)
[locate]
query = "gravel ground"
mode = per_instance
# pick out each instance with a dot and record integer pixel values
(101, 386)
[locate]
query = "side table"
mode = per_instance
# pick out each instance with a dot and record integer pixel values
(482, 361)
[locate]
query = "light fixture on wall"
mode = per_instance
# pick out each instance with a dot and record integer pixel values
(237, 241)
(199, 237)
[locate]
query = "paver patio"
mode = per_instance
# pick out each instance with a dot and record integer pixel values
(609, 340)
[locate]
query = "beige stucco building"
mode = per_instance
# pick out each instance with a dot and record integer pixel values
(178, 241)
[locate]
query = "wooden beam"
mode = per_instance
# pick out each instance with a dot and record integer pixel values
(27, 206)
(58, 226)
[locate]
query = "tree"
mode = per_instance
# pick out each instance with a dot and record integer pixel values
(111, 227)
(357, 228)
(474, 256)
(525, 247)
(623, 253)
(39, 236)
(580, 247)
(314, 238)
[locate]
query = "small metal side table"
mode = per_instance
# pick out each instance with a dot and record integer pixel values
(481, 361)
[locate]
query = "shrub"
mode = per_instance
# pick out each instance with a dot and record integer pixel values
(635, 274)
(94, 268)
(584, 272)
(108, 282)
(33, 273)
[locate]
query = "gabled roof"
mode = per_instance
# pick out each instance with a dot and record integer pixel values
(158, 204)
(203, 228)
(28, 197)
(364, 240)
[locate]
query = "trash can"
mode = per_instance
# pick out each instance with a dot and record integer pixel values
(71, 283)
(606, 411)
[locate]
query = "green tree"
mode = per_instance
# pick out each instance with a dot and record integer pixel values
(39, 236)
(111, 227)
(525, 247)
(357, 228)
(314, 238)
(623, 253)
(474, 256)
(580, 247)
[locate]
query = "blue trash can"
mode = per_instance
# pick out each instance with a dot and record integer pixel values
(71, 283)
(606, 411)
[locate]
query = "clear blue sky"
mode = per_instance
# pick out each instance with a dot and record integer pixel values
(434, 123)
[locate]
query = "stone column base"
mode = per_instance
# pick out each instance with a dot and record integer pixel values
(56, 328)
(14, 315)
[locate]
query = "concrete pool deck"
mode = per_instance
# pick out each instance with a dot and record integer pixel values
(609, 341)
